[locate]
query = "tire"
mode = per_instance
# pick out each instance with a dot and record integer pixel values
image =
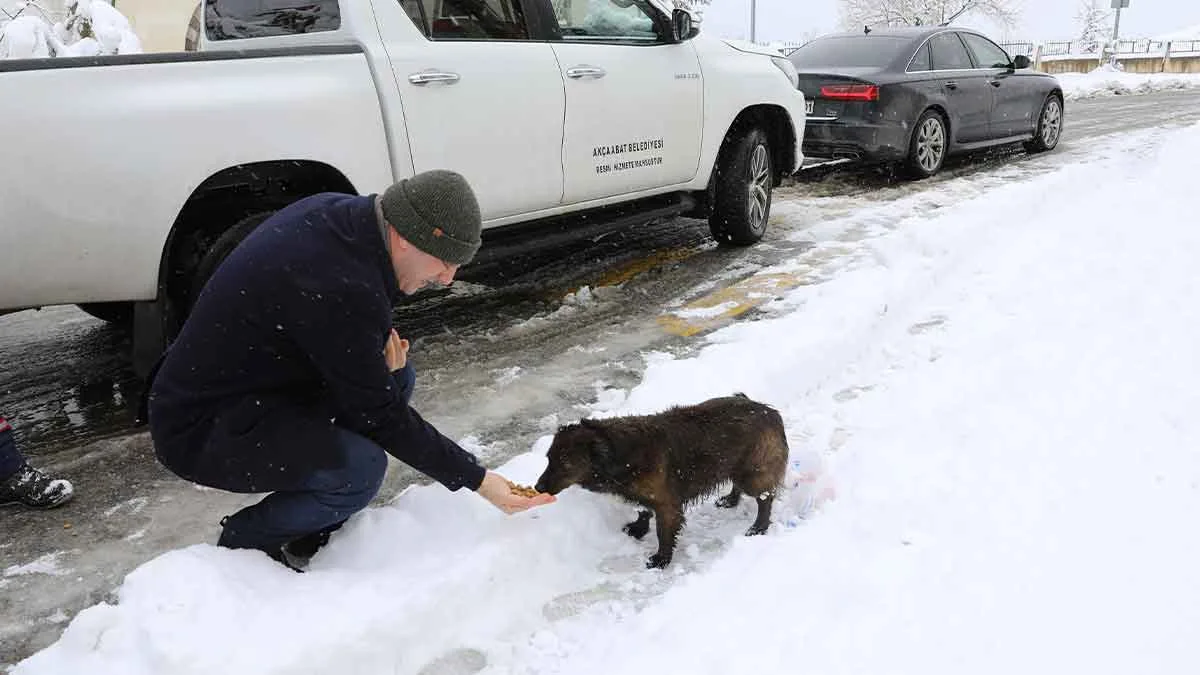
(1049, 126)
(742, 191)
(220, 249)
(116, 313)
(928, 146)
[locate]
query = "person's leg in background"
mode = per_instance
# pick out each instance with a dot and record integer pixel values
(23, 484)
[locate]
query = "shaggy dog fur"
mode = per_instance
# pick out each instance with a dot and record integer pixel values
(667, 461)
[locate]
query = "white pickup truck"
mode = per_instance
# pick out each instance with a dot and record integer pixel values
(126, 179)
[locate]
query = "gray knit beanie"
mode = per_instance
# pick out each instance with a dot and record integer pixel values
(436, 211)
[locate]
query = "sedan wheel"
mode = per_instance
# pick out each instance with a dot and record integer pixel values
(927, 150)
(1049, 128)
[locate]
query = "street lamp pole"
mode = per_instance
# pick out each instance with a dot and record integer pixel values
(753, 20)
(1117, 5)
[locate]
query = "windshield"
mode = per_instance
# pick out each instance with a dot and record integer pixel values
(861, 51)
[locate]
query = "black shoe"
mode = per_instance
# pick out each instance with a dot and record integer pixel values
(282, 558)
(35, 489)
(307, 546)
(278, 555)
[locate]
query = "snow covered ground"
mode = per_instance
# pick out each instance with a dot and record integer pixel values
(995, 470)
(1105, 81)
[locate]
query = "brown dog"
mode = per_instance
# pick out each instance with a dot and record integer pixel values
(668, 460)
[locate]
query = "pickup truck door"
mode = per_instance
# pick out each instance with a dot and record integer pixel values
(634, 103)
(479, 97)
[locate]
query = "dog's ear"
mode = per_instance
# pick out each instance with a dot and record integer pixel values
(606, 460)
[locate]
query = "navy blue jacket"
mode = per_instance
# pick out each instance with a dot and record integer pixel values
(298, 315)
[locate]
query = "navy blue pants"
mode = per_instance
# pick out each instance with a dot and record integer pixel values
(11, 459)
(301, 503)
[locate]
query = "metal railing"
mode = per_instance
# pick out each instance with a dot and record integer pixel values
(1060, 48)
(1014, 48)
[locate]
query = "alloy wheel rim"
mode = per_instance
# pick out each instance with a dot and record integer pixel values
(1051, 122)
(760, 189)
(931, 143)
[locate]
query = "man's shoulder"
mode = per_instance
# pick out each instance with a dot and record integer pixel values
(327, 202)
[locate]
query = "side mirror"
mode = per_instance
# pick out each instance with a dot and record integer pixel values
(682, 27)
(1021, 62)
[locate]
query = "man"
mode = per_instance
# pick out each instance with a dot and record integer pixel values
(23, 484)
(288, 378)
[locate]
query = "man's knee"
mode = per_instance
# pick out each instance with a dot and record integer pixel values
(362, 472)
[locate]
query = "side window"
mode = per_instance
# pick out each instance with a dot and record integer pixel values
(236, 19)
(468, 19)
(987, 53)
(920, 61)
(949, 53)
(620, 21)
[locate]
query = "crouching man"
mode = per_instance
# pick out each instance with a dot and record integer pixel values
(287, 377)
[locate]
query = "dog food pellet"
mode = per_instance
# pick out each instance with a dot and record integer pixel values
(523, 490)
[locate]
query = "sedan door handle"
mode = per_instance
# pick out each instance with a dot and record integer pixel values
(952, 85)
(995, 83)
(592, 72)
(431, 76)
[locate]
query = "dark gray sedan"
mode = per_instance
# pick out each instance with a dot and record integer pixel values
(916, 95)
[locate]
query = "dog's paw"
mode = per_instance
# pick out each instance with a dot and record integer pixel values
(637, 529)
(658, 561)
(756, 530)
(728, 501)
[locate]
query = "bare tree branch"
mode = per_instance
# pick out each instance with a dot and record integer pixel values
(855, 14)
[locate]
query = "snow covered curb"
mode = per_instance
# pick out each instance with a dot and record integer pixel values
(1103, 82)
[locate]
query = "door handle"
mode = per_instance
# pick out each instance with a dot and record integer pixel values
(432, 76)
(579, 72)
(952, 85)
(995, 83)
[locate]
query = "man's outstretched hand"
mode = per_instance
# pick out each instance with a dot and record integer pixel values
(496, 489)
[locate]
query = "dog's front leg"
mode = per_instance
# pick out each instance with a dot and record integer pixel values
(668, 520)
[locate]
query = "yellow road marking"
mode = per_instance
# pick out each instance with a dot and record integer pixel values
(722, 305)
(636, 267)
(620, 275)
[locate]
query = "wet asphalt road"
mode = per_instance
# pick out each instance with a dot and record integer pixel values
(509, 344)
(67, 381)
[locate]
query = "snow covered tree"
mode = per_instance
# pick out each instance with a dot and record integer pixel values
(858, 13)
(1095, 22)
(90, 28)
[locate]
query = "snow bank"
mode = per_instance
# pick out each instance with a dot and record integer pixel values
(1005, 393)
(1106, 81)
(1017, 470)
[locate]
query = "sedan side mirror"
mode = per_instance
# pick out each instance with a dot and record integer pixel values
(1021, 62)
(682, 26)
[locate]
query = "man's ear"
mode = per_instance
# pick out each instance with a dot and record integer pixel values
(399, 243)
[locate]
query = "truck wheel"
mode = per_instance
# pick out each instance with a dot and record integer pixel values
(220, 249)
(744, 180)
(116, 313)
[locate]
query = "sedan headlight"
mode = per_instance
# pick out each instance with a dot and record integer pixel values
(788, 69)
